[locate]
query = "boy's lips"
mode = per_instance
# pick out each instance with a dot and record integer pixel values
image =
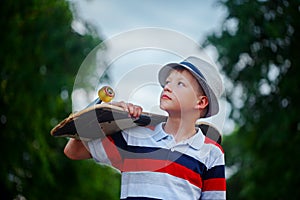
(164, 96)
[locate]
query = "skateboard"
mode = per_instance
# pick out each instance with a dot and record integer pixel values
(99, 119)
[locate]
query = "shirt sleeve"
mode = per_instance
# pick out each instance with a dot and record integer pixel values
(109, 150)
(214, 182)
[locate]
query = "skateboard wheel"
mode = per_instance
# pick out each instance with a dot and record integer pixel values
(106, 94)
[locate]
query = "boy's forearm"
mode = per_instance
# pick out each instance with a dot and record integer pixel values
(76, 150)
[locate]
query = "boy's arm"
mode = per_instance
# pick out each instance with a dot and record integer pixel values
(76, 150)
(214, 182)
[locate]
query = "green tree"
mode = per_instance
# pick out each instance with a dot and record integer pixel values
(40, 55)
(259, 50)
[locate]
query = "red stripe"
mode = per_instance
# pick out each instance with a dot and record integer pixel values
(163, 166)
(112, 152)
(216, 184)
(210, 141)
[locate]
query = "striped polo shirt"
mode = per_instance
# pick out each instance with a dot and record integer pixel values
(154, 166)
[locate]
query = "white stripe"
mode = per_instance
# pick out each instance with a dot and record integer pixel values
(157, 185)
(216, 195)
(98, 152)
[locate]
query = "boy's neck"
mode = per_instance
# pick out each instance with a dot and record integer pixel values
(181, 129)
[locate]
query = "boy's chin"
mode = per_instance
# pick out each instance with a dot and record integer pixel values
(168, 109)
(162, 107)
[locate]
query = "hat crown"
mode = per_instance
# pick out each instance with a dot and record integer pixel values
(209, 72)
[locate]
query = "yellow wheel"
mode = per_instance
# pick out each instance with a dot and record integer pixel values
(106, 94)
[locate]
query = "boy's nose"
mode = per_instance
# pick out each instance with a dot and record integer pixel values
(167, 87)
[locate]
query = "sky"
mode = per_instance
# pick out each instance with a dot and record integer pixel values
(141, 36)
(194, 18)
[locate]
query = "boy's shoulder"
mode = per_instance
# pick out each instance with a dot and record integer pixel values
(141, 131)
(210, 153)
(209, 141)
(141, 135)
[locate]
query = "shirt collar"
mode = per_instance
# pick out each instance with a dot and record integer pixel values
(196, 141)
(159, 133)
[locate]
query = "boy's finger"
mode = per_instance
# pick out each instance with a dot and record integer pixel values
(130, 108)
(124, 106)
(133, 110)
(138, 111)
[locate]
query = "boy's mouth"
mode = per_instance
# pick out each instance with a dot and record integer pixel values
(164, 96)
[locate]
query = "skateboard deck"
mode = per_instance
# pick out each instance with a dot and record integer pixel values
(104, 119)
(101, 119)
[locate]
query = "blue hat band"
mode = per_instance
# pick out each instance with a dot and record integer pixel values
(195, 69)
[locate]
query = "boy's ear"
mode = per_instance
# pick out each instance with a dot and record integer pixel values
(202, 103)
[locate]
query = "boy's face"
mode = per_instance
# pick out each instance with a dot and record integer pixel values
(181, 93)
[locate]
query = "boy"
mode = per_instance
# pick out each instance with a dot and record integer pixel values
(173, 160)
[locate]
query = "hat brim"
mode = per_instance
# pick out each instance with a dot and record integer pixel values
(213, 106)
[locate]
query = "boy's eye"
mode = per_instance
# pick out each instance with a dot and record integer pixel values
(166, 83)
(180, 83)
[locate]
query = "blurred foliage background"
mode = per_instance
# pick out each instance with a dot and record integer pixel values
(40, 55)
(258, 49)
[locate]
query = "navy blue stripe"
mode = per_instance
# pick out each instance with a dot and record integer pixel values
(119, 140)
(215, 172)
(195, 69)
(137, 152)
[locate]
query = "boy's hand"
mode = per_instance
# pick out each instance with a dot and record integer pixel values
(133, 110)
